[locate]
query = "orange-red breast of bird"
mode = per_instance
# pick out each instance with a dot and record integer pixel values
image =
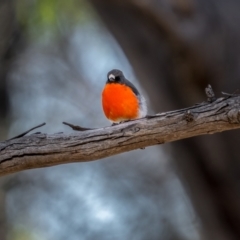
(121, 101)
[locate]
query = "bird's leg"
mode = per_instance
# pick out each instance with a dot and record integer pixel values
(114, 124)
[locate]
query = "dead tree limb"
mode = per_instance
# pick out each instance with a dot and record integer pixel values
(42, 150)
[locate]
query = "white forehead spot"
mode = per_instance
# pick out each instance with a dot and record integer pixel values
(111, 76)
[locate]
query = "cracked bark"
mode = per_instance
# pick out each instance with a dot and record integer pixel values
(42, 150)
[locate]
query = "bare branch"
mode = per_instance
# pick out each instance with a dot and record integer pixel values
(28, 131)
(42, 150)
(77, 128)
(210, 94)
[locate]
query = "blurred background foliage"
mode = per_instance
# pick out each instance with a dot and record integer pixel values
(41, 17)
(54, 57)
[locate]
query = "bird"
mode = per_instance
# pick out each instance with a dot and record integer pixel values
(121, 101)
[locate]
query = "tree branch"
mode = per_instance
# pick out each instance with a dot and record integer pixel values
(42, 150)
(28, 131)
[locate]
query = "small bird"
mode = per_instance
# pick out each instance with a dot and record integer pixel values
(121, 100)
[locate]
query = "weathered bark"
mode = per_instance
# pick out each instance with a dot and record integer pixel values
(42, 150)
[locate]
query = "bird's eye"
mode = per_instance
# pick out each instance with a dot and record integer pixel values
(117, 78)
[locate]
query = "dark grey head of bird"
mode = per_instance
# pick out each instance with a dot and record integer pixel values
(114, 76)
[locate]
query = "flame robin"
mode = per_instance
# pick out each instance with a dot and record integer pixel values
(121, 101)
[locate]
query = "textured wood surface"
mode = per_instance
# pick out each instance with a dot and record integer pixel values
(42, 150)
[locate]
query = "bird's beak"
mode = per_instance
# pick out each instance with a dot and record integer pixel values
(111, 78)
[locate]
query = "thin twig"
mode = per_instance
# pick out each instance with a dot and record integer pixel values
(24, 133)
(77, 128)
(231, 94)
(210, 94)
